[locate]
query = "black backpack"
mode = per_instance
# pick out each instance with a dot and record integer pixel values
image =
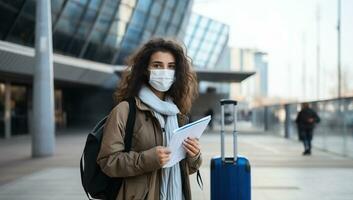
(95, 182)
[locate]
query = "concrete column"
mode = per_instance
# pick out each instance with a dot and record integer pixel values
(287, 121)
(345, 108)
(43, 137)
(7, 116)
(266, 123)
(30, 110)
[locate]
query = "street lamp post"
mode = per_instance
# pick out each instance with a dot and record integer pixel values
(318, 51)
(339, 48)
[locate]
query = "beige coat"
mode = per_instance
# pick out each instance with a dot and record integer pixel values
(139, 167)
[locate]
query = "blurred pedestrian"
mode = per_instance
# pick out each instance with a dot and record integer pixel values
(306, 120)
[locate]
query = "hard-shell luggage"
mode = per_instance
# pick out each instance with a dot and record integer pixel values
(230, 176)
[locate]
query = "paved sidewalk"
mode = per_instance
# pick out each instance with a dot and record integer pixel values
(279, 171)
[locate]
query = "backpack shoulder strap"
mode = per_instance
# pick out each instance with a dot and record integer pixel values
(82, 181)
(199, 179)
(130, 124)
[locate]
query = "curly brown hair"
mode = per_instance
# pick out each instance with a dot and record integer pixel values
(183, 91)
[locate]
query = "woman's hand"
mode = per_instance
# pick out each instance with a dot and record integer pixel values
(163, 154)
(192, 146)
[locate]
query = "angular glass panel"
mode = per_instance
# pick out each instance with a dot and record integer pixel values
(199, 33)
(146, 35)
(170, 3)
(194, 19)
(97, 36)
(65, 25)
(94, 4)
(56, 5)
(211, 37)
(6, 20)
(138, 18)
(143, 5)
(75, 46)
(203, 23)
(129, 45)
(72, 10)
(83, 30)
(177, 17)
(113, 40)
(216, 55)
(29, 9)
(206, 45)
(82, 2)
(103, 22)
(167, 13)
(16, 4)
(118, 28)
(190, 30)
(161, 28)
(151, 23)
(104, 54)
(108, 10)
(216, 27)
(222, 40)
(133, 34)
(23, 31)
(156, 8)
(89, 16)
(172, 30)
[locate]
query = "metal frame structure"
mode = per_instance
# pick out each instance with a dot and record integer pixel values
(94, 24)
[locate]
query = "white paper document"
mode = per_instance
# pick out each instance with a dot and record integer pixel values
(192, 130)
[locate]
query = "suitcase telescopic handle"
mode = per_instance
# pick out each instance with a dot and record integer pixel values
(228, 101)
(235, 145)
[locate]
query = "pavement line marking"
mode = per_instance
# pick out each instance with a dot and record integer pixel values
(275, 188)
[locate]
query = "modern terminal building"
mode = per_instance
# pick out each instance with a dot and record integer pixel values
(91, 41)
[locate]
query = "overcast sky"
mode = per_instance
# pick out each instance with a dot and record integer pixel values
(285, 29)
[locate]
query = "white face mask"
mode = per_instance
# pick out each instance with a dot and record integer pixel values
(161, 79)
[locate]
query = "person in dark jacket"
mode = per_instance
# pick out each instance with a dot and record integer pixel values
(306, 120)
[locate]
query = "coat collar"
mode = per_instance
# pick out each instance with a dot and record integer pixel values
(141, 106)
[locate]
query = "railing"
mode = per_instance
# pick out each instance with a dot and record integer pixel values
(334, 133)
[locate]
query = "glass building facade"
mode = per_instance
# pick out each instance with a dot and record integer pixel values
(104, 31)
(109, 30)
(206, 40)
(99, 30)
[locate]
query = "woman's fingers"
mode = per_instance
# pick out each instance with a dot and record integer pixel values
(192, 142)
(166, 151)
(192, 146)
(163, 154)
(164, 160)
(188, 151)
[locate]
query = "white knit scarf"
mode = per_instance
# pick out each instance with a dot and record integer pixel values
(166, 113)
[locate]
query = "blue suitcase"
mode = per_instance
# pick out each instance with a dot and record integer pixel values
(230, 176)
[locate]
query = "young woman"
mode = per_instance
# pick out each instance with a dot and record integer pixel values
(161, 80)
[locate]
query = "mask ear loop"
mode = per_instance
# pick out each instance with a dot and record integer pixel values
(174, 76)
(147, 73)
